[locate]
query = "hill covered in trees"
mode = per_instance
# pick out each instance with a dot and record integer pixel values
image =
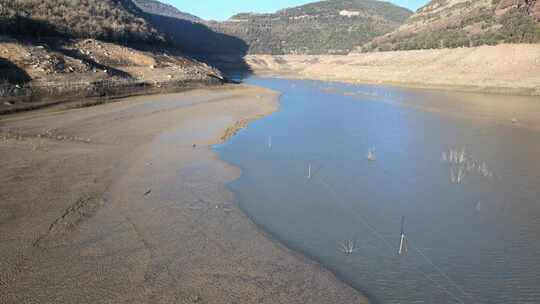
(326, 27)
(464, 23)
(109, 20)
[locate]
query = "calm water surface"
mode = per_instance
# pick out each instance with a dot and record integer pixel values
(473, 242)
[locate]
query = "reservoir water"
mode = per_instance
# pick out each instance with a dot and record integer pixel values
(459, 167)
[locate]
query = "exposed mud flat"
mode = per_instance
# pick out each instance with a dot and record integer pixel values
(126, 203)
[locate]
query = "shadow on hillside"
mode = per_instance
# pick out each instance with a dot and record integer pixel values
(11, 73)
(222, 51)
(196, 40)
(21, 26)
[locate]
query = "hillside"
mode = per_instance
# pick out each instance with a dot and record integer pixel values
(60, 50)
(326, 27)
(457, 23)
(109, 20)
(163, 9)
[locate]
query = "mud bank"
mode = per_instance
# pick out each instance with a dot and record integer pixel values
(126, 203)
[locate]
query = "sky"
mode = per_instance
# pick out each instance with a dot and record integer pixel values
(223, 9)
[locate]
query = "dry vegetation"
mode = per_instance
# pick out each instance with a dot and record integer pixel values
(111, 20)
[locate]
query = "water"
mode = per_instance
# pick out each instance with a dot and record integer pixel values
(473, 242)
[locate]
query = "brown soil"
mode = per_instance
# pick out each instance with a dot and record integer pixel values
(115, 204)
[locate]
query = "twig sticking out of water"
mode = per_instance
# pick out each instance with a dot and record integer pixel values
(461, 164)
(479, 206)
(462, 157)
(348, 247)
(471, 165)
(484, 170)
(371, 155)
(452, 156)
(460, 175)
(457, 175)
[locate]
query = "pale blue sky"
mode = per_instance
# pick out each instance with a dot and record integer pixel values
(223, 9)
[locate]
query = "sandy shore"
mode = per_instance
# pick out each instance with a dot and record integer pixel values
(505, 69)
(115, 204)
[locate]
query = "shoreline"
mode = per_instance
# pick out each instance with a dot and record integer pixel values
(526, 92)
(116, 197)
(130, 90)
(508, 69)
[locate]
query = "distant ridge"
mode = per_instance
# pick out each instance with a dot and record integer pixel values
(163, 9)
(326, 27)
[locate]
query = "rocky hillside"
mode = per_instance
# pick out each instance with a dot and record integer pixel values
(60, 50)
(37, 74)
(159, 8)
(326, 27)
(457, 23)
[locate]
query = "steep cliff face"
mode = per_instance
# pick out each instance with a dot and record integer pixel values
(458, 23)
